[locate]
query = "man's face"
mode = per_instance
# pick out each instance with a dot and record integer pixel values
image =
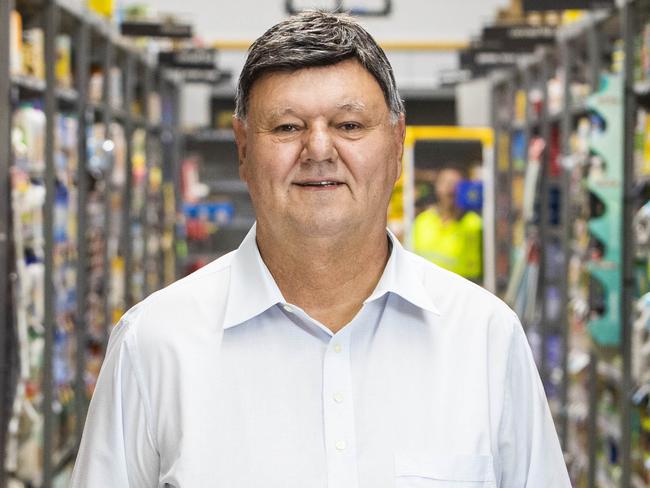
(318, 150)
(446, 183)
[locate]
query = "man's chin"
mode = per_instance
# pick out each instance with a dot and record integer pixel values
(323, 227)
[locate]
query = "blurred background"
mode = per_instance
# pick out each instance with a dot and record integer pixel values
(526, 170)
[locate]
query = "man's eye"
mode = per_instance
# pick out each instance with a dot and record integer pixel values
(350, 126)
(286, 128)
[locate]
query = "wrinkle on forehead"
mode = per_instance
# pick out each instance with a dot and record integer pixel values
(353, 106)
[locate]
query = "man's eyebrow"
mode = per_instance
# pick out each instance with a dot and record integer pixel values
(352, 106)
(280, 111)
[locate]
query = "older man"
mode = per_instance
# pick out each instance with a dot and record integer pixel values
(319, 353)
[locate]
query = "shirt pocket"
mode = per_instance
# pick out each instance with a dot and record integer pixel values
(433, 470)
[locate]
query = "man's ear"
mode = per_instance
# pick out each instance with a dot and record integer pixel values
(400, 133)
(239, 128)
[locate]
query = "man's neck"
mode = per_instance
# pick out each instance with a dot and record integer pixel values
(329, 278)
(447, 212)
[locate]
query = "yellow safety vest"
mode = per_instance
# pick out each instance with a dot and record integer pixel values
(456, 245)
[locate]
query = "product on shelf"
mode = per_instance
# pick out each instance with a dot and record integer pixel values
(138, 200)
(154, 215)
(16, 44)
(25, 444)
(97, 165)
(115, 252)
(63, 67)
(33, 53)
(65, 261)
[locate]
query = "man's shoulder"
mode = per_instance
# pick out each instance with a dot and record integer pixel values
(455, 295)
(192, 301)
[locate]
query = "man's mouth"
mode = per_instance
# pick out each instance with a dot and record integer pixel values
(319, 184)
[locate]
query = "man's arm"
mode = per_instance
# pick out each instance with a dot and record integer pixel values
(117, 448)
(529, 451)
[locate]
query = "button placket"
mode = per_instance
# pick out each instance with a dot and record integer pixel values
(338, 410)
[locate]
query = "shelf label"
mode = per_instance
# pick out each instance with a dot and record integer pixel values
(156, 29)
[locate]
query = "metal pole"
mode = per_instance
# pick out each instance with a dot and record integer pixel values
(125, 246)
(627, 258)
(106, 99)
(565, 219)
(594, 56)
(148, 87)
(82, 65)
(545, 132)
(594, 62)
(492, 194)
(51, 25)
(177, 152)
(6, 325)
(592, 428)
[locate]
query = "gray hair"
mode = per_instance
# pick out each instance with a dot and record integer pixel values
(313, 39)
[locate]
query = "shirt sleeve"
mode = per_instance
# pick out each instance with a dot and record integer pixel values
(529, 451)
(117, 447)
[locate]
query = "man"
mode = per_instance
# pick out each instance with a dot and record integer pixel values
(320, 353)
(445, 234)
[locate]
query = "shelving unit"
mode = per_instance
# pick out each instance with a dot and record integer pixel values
(578, 220)
(65, 220)
(218, 219)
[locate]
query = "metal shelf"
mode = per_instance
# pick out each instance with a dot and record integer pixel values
(30, 83)
(108, 49)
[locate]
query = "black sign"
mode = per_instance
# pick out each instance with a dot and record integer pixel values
(188, 58)
(156, 29)
(201, 76)
(542, 5)
(482, 60)
(518, 37)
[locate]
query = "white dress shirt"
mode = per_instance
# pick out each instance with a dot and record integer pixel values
(217, 382)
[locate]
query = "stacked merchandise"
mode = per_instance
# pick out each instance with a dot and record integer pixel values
(578, 312)
(114, 245)
(25, 445)
(641, 327)
(154, 215)
(138, 199)
(98, 166)
(65, 282)
(596, 272)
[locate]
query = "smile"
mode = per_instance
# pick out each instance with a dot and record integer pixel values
(319, 184)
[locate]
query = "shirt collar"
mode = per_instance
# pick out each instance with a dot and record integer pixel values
(403, 276)
(253, 290)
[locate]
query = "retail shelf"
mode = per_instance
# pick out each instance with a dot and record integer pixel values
(67, 95)
(29, 83)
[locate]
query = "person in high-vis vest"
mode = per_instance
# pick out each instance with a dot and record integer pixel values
(445, 234)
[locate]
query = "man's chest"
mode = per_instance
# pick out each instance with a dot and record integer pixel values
(376, 411)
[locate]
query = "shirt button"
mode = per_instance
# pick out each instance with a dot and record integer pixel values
(337, 348)
(338, 397)
(340, 445)
(287, 308)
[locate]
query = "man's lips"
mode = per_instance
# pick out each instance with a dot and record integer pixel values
(318, 183)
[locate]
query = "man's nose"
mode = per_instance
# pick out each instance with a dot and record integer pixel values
(318, 144)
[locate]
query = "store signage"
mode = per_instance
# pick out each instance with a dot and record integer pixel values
(156, 29)
(518, 37)
(200, 76)
(542, 5)
(482, 60)
(195, 58)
